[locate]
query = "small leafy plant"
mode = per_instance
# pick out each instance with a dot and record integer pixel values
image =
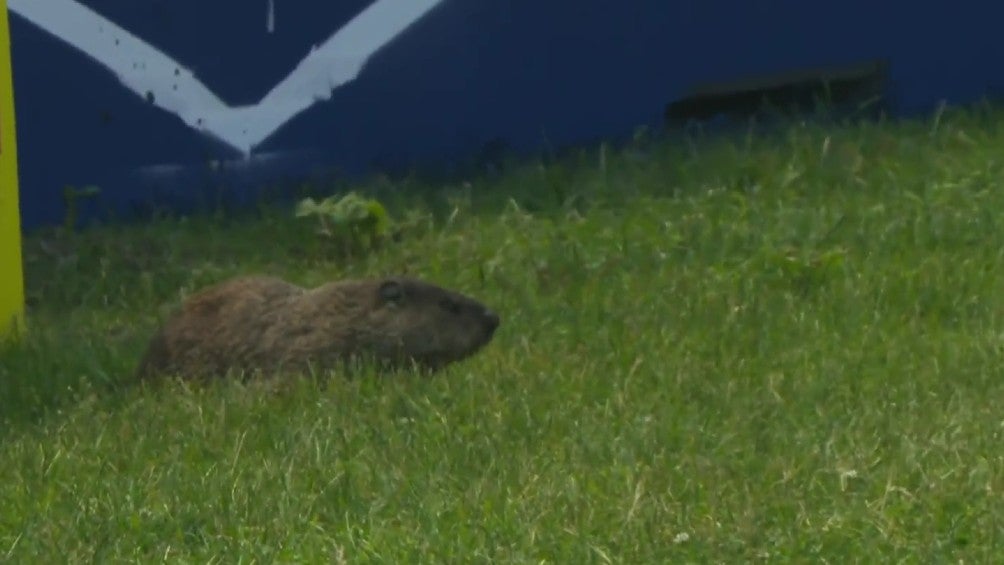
(356, 222)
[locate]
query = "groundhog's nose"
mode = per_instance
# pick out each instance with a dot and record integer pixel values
(491, 318)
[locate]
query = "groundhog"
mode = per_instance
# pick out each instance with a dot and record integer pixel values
(263, 324)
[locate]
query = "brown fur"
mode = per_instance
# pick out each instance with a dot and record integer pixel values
(263, 323)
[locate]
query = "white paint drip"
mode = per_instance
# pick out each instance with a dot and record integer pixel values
(150, 73)
(270, 17)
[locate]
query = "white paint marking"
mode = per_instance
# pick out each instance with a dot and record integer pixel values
(144, 69)
(270, 17)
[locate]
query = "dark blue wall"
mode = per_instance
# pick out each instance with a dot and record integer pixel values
(527, 72)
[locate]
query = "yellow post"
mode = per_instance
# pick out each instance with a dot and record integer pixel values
(11, 276)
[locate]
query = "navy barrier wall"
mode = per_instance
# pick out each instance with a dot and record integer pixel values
(162, 102)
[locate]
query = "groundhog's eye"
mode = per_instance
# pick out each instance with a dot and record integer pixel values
(451, 306)
(391, 291)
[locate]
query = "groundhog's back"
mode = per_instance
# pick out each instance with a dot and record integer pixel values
(213, 320)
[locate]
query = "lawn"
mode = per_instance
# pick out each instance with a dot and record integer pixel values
(776, 347)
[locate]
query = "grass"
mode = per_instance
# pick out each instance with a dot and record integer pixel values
(776, 348)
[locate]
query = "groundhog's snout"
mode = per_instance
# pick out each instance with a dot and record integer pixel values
(491, 319)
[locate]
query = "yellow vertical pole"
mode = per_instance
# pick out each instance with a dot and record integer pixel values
(11, 275)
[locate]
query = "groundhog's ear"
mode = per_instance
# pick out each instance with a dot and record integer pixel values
(391, 291)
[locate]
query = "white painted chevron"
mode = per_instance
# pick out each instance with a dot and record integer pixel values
(148, 71)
